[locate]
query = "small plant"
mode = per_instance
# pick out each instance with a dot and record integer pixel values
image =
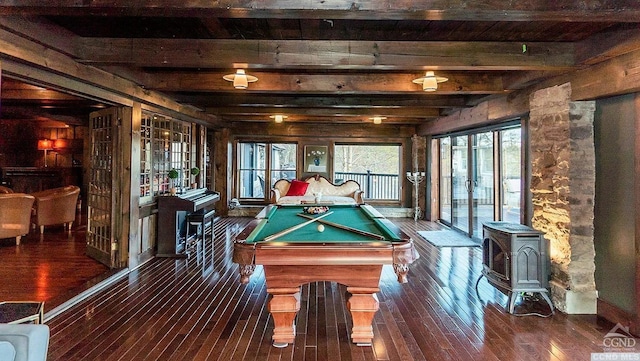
(195, 171)
(173, 174)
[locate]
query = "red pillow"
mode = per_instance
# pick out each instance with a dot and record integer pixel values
(297, 188)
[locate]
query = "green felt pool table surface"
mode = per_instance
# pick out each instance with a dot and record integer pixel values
(361, 217)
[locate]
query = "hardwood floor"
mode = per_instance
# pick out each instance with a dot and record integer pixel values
(50, 268)
(178, 309)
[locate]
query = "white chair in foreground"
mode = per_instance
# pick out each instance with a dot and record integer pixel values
(24, 342)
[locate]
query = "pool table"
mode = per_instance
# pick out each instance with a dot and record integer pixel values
(353, 257)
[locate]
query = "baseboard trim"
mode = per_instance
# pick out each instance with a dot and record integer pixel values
(85, 294)
(616, 315)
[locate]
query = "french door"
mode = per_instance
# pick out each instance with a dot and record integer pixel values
(468, 174)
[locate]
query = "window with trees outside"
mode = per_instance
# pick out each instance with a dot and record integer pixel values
(165, 144)
(260, 165)
(375, 167)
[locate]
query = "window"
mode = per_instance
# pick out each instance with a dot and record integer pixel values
(283, 162)
(375, 167)
(165, 144)
(261, 165)
(145, 156)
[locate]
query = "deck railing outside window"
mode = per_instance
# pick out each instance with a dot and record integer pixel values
(375, 185)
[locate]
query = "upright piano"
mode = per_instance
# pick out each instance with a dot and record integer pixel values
(172, 215)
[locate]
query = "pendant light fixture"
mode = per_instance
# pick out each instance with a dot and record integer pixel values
(240, 79)
(278, 118)
(378, 120)
(430, 81)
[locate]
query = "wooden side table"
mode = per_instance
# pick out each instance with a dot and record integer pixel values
(21, 312)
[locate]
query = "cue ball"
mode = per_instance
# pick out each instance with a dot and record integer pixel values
(320, 228)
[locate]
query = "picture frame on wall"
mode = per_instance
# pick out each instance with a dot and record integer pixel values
(315, 158)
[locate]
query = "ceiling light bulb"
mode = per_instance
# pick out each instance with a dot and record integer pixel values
(430, 83)
(377, 120)
(278, 118)
(240, 80)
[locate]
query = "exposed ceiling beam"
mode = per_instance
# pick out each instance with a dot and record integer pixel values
(607, 45)
(34, 57)
(325, 54)
(345, 83)
(319, 120)
(324, 101)
(533, 10)
(333, 112)
(14, 90)
(39, 114)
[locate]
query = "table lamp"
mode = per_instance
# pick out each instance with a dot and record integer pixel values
(45, 144)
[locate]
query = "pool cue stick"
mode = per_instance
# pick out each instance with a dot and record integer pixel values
(291, 229)
(346, 228)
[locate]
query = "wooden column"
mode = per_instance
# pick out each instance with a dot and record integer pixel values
(133, 163)
(222, 169)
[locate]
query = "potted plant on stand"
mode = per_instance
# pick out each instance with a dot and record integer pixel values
(173, 175)
(194, 171)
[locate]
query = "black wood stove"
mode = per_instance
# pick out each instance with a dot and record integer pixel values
(515, 260)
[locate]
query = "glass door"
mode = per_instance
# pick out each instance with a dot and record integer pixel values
(469, 175)
(460, 183)
(481, 182)
(445, 180)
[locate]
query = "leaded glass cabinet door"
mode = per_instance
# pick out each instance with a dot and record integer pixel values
(101, 202)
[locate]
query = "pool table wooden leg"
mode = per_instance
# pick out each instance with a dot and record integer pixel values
(284, 305)
(363, 305)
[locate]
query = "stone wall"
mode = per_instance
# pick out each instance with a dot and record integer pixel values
(563, 190)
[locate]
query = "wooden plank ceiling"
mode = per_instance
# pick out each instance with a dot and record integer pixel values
(335, 61)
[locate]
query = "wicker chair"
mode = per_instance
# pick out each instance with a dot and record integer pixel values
(56, 206)
(15, 215)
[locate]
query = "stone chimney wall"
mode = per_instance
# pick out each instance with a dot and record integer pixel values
(563, 191)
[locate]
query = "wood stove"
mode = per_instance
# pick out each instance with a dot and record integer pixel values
(515, 259)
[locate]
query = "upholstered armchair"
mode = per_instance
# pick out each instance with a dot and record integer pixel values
(55, 206)
(25, 342)
(15, 215)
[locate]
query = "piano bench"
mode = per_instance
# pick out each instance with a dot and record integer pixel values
(202, 224)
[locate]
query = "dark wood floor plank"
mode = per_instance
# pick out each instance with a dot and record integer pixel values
(178, 309)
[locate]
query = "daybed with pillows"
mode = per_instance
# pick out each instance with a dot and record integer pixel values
(306, 191)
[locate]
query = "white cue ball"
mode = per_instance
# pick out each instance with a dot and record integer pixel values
(320, 228)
